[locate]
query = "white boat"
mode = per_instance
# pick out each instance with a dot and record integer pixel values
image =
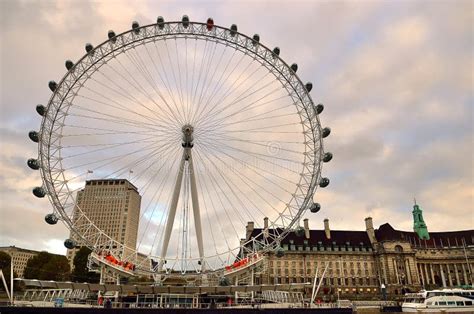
(437, 301)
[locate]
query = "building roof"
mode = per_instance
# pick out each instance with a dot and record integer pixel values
(111, 182)
(338, 237)
(14, 248)
(437, 239)
(18, 249)
(384, 233)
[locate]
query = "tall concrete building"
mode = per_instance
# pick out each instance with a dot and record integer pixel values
(113, 205)
(20, 258)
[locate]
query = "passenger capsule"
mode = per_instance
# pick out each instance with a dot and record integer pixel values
(326, 132)
(279, 252)
(233, 29)
(135, 27)
(89, 47)
(52, 85)
(299, 232)
(39, 192)
(294, 67)
(70, 244)
(161, 22)
(327, 157)
(256, 39)
(319, 108)
(33, 163)
(51, 219)
(69, 64)
(309, 86)
(276, 51)
(111, 35)
(324, 182)
(185, 21)
(209, 24)
(315, 208)
(40, 109)
(33, 135)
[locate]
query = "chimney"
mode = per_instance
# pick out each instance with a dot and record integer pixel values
(306, 228)
(326, 229)
(369, 227)
(265, 227)
(249, 229)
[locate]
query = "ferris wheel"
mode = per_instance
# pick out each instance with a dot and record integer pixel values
(213, 128)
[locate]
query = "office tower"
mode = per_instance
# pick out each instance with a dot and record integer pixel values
(113, 205)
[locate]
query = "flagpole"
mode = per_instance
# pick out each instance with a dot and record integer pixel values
(88, 172)
(11, 280)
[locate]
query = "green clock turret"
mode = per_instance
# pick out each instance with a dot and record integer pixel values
(419, 225)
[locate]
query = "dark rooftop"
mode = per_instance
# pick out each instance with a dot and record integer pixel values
(385, 232)
(338, 237)
(437, 239)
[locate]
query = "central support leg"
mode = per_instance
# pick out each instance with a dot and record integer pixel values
(187, 157)
(196, 211)
(172, 212)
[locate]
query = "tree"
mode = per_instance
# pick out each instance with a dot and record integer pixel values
(5, 266)
(81, 273)
(47, 266)
(5, 263)
(57, 268)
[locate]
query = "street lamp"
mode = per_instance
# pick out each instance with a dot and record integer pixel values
(384, 292)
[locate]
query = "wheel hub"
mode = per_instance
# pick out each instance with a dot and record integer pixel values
(188, 135)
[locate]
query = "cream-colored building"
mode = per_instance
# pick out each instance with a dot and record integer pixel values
(113, 205)
(360, 262)
(20, 258)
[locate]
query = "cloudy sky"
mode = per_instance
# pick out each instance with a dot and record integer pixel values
(395, 77)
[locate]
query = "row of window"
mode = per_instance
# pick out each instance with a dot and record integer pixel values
(334, 257)
(328, 281)
(330, 264)
(101, 201)
(108, 215)
(330, 272)
(443, 293)
(450, 303)
(320, 248)
(111, 182)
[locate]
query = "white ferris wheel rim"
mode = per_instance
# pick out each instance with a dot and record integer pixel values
(55, 182)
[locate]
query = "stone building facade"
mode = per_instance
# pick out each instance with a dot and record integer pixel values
(20, 258)
(357, 263)
(445, 260)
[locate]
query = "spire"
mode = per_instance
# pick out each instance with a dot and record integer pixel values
(419, 225)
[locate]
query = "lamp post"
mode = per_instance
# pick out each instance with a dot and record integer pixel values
(384, 292)
(11, 281)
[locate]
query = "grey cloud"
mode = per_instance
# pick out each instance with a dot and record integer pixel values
(26, 228)
(400, 111)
